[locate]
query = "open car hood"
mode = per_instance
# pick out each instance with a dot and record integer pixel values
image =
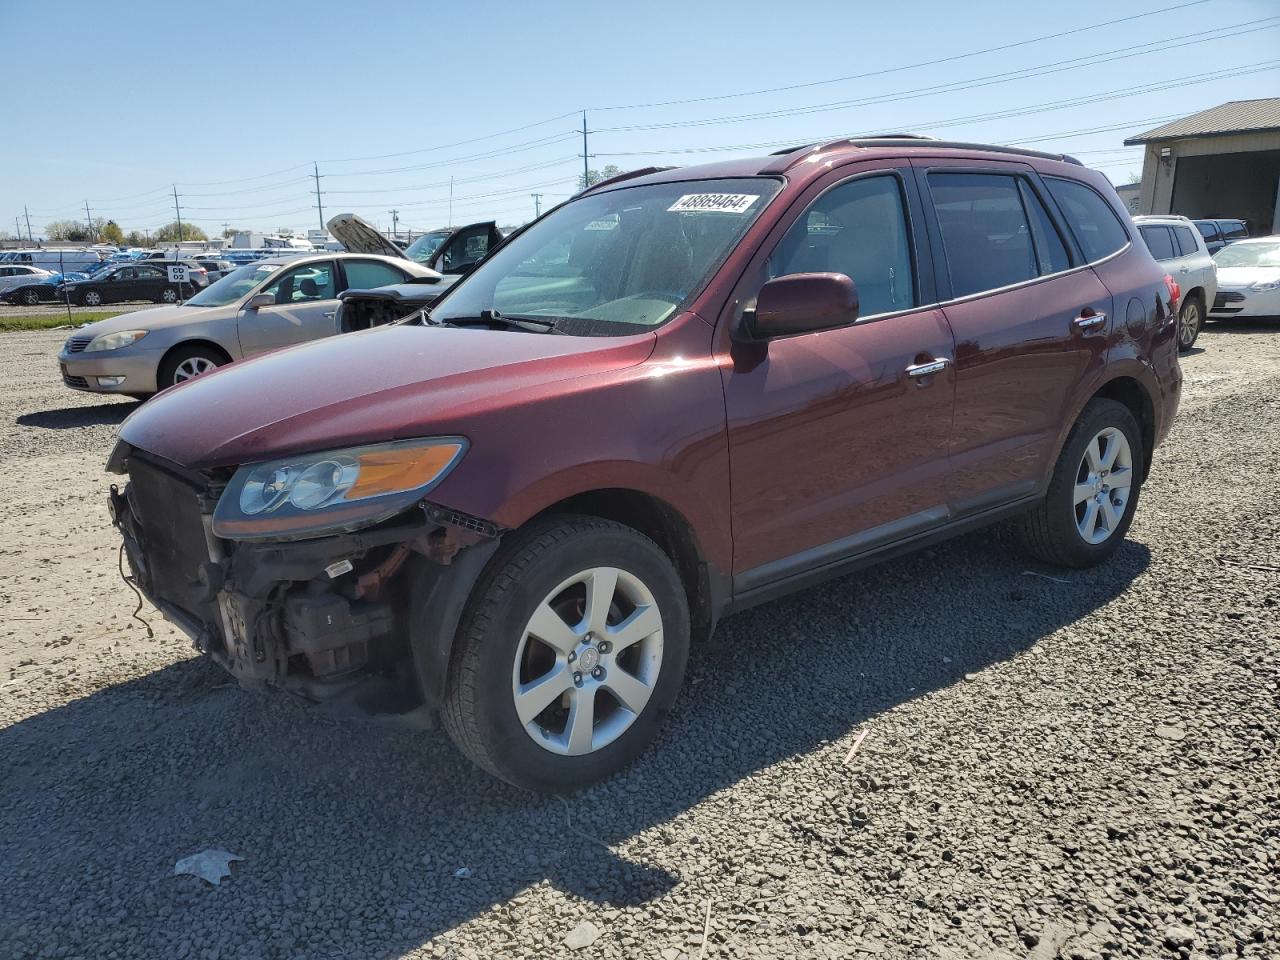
(358, 235)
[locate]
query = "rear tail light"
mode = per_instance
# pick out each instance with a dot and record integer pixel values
(1175, 293)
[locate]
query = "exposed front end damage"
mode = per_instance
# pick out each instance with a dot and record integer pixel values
(368, 615)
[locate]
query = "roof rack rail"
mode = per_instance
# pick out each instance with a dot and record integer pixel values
(629, 175)
(911, 139)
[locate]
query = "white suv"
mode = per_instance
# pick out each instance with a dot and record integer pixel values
(1179, 247)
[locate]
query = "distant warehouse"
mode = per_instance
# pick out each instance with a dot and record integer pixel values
(1221, 162)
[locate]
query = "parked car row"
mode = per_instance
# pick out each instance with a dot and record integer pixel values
(681, 393)
(109, 283)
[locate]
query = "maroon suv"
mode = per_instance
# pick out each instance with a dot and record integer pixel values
(679, 394)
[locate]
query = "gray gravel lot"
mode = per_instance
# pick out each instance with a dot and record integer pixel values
(1074, 764)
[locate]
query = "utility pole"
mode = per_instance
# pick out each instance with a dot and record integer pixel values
(27, 213)
(88, 219)
(395, 223)
(451, 201)
(177, 211)
(225, 228)
(537, 205)
(319, 205)
(586, 174)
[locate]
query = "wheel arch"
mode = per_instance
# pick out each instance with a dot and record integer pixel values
(707, 589)
(1133, 394)
(189, 343)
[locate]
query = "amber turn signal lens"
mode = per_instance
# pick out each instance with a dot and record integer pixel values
(391, 471)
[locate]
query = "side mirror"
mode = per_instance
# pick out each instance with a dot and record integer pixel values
(260, 300)
(801, 303)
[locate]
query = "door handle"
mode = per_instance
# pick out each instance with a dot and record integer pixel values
(330, 314)
(1090, 321)
(928, 369)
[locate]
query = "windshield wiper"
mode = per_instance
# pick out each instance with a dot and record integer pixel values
(493, 317)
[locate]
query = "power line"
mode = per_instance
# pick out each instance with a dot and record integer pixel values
(907, 66)
(1075, 63)
(1192, 80)
(458, 143)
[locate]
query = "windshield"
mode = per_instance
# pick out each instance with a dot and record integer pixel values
(1249, 255)
(233, 286)
(420, 250)
(631, 256)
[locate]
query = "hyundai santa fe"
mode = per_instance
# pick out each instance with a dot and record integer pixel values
(680, 393)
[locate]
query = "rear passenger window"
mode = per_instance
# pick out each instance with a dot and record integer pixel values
(1207, 230)
(367, 274)
(858, 228)
(1097, 228)
(984, 231)
(1186, 241)
(1051, 252)
(1158, 241)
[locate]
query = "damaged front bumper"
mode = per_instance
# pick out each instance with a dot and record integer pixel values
(318, 617)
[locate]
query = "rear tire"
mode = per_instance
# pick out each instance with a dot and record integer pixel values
(91, 298)
(552, 716)
(1093, 492)
(31, 297)
(1190, 322)
(168, 295)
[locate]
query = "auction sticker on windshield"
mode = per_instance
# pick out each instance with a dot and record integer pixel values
(714, 202)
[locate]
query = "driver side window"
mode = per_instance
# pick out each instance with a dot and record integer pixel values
(305, 284)
(858, 228)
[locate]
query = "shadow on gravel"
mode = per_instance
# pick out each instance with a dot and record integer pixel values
(67, 418)
(353, 833)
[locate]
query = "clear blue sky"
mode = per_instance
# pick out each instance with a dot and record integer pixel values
(119, 102)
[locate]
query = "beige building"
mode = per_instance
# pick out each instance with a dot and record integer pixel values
(1220, 163)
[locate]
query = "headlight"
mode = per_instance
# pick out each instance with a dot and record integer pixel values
(338, 491)
(1262, 286)
(114, 341)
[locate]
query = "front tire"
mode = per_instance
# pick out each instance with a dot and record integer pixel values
(186, 363)
(1094, 490)
(31, 297)
(168, 295)
(569, 656)
(91, 298)
(1190, 323)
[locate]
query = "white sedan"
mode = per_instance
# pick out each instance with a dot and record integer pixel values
(1248, 279)
(17, 275)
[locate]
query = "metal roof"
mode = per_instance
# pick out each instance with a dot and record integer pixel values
(1238, 116)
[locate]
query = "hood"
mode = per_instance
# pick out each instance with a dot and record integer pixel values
(383, 384)
(154, 318)
(360, 236)
(1242, 278)
(412, 294)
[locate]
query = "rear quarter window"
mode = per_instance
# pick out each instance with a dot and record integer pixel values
(1096, 227)
(1159, 241)
(1234, 230)
(1186, 241)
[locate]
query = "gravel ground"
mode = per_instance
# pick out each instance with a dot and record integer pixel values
(1078, 764)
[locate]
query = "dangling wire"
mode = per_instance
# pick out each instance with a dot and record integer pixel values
(134, 587)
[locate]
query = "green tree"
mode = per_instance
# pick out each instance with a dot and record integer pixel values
(169, 233)
(72, 230)
(595, 176)
(136, 238)
(230, 232)
(111, 233)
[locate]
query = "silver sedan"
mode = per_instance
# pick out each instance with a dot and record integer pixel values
(259, 307)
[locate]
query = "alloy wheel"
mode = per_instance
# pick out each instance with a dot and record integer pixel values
(588, 661)
(192, 367)
(92, 299)
(1104, 480)
(31, 298)
(1188, 323)
(169, 296)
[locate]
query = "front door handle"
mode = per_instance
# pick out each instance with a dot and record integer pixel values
(330, 314)
(1090, 321)
(928, 369)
